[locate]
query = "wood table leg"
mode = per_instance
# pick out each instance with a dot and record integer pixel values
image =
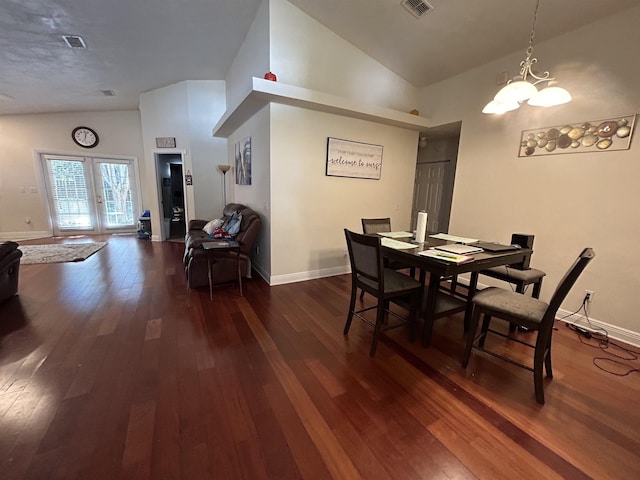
(429, 312)
(473, 284)
(209, 275)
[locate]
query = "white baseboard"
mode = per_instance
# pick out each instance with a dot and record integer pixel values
(17, 236)
(310, 275)
(264, 275)
(614, 332)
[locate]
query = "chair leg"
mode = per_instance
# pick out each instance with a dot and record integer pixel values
(536, 289)
(483, 331)
(539, 361)
(416, 301)
(547, 360)
(376, 330)
(361, 294)
(475, 318)
(352, 305)
(519, 289)
(537, 381)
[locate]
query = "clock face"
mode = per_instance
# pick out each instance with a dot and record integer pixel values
(85, 137)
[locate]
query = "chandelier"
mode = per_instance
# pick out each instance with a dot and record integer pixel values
(524, 86)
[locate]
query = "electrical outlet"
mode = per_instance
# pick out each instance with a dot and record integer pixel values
(588, 295)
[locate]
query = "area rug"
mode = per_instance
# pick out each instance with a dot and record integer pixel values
(59, 252)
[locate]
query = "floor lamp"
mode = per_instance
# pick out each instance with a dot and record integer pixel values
(224, 169)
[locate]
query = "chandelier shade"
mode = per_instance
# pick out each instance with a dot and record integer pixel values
(517, 91)
(524, 87)
(550, 96)
(500, 107)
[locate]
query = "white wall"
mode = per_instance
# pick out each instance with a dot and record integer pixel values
(568, 201)
(258, 194)
(22, 135)
(206, 104)
(252, 59)
(306, 54)
(186, 111)
(310, 210)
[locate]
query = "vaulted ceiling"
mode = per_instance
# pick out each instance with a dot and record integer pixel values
(141, 45)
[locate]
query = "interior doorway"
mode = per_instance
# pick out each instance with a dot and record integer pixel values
(171, 194)
(435, 176)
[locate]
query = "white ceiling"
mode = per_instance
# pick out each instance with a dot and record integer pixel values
(135, 46)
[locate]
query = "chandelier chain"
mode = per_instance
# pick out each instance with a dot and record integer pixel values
(533, 30)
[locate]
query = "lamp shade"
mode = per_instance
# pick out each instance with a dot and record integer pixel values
(550, 96)
(500, 107)
(224, 168)
(517, 91)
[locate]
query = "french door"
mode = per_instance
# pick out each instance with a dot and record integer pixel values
(90, 194)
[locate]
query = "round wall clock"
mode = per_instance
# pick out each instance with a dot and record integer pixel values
(85, 137)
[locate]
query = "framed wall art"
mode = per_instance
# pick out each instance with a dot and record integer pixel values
(346, 158)
(582, 137)
(165, 142)
(243, 161)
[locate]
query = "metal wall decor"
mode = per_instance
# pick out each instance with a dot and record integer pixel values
(592, 136)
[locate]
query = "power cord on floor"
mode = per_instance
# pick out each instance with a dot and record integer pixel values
(600, 339)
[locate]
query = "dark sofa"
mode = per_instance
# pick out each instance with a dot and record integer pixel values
(9, 269)
(224, 268)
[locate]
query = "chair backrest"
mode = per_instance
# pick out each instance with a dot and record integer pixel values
(375, 225)
(525, 240)
(365, 256)
(567, 283)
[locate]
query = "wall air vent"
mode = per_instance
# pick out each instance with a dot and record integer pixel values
(74, 41)
(108, 93)
(417, 8)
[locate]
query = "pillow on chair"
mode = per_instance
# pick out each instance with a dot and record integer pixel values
(212, 225)
(233, 225)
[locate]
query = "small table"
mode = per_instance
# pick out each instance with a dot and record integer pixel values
(221, 245)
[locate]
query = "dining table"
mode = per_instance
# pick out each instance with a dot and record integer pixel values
(436, 302)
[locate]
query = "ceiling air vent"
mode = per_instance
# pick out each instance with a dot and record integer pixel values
(74, 41)
(417, 8)
(108, 93)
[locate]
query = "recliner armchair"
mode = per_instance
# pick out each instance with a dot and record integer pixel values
(9, 269)
(224, 267)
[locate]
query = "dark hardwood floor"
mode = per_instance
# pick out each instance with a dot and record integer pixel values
(110, 369)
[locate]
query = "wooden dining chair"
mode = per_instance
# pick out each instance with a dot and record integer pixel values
(371, 226)
(522, 310)
(387, 285)
(521, 275)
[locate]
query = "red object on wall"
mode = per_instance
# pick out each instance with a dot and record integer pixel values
(270, 76)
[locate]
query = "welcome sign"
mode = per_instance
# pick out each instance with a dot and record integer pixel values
(346, 158)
